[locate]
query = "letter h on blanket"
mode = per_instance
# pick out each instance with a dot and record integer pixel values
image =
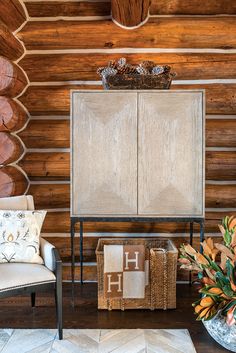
(124, 271)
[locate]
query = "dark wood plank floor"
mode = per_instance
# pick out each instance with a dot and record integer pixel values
(17, 313)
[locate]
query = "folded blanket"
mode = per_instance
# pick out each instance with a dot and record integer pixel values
(125, 271)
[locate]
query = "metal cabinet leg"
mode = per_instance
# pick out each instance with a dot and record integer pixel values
(81, 252)
(72, 234)
(201, 234)
(191, 243)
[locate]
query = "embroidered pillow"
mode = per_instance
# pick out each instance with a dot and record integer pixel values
(20, 236)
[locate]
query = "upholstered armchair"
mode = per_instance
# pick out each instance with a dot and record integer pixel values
(28, 278)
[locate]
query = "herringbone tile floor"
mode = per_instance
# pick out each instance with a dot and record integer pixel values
(96, 341)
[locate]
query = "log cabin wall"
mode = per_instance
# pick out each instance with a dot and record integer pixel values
(65, 42)
(13, 115)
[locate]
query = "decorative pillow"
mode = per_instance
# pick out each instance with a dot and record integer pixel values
(20, 236)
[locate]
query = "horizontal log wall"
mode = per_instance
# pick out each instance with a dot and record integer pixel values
(65, 43)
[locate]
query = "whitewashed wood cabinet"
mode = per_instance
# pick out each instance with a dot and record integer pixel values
(137, 153)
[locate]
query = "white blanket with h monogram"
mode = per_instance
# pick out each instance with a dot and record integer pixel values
(125, 271)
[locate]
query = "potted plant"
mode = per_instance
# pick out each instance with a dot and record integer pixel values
(216, 268)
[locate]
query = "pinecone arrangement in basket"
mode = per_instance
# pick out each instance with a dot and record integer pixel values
(121, 67)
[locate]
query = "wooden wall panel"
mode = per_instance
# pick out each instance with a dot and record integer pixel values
(220, 196)
(55, 100)
(68, 8)
(169, 32)
(50, 100)
(221, 132)
(46, 166)
(193, 7)
(81, 66)
(48, 196)
(46, 134)
(220, 165)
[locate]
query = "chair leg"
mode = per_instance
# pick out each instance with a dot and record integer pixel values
(58, 300)
(33, 300)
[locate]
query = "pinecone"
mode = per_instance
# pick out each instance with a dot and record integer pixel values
(148, 65)
(121, 62)
(107, 71)
(158, 70)
(141, 70)
(112, 64)
(167, 69)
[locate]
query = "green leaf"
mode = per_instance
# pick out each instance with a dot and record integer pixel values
(227, 238)
(228, 306)
(227, 290)
(229, 268)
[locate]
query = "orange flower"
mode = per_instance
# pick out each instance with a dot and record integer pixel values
(189, 250)
(215, 290)
(201, 259)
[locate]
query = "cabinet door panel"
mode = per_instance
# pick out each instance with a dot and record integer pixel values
(171, 158)
(104, 160)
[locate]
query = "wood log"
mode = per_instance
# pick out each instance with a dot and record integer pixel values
(46, 166)
(220, 98)
(220, 133)
(59, 222)
(50, 100)
(56, 133)
(46, 8)
(55, 100)
(46, 134)
(10, 148)
(68, 8)
(73, 67)
(89, 272)
(169, 32)
(220, 196)
(12, 14)
(10, 46)
(48, 196)
(12, 78)
(12, 182)
(130, 13)
(194, 7)
(56, 165)
(220, 165)
(12, 116)
(58, 195)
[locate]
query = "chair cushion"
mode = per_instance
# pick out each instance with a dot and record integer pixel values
(13, 275)
(24, 202)
(20, 236)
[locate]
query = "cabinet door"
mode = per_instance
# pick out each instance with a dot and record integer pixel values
(104, 159)
(171, 156)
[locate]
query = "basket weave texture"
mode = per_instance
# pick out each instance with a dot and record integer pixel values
(160, 293)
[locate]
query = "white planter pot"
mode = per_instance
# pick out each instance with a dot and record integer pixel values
(222, 333)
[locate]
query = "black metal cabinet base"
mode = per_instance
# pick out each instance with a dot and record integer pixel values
(81, 220)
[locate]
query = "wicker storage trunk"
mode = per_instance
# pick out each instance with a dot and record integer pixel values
(160, 293)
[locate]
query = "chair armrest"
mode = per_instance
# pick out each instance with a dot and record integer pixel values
(57, 264)
(46, 251)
